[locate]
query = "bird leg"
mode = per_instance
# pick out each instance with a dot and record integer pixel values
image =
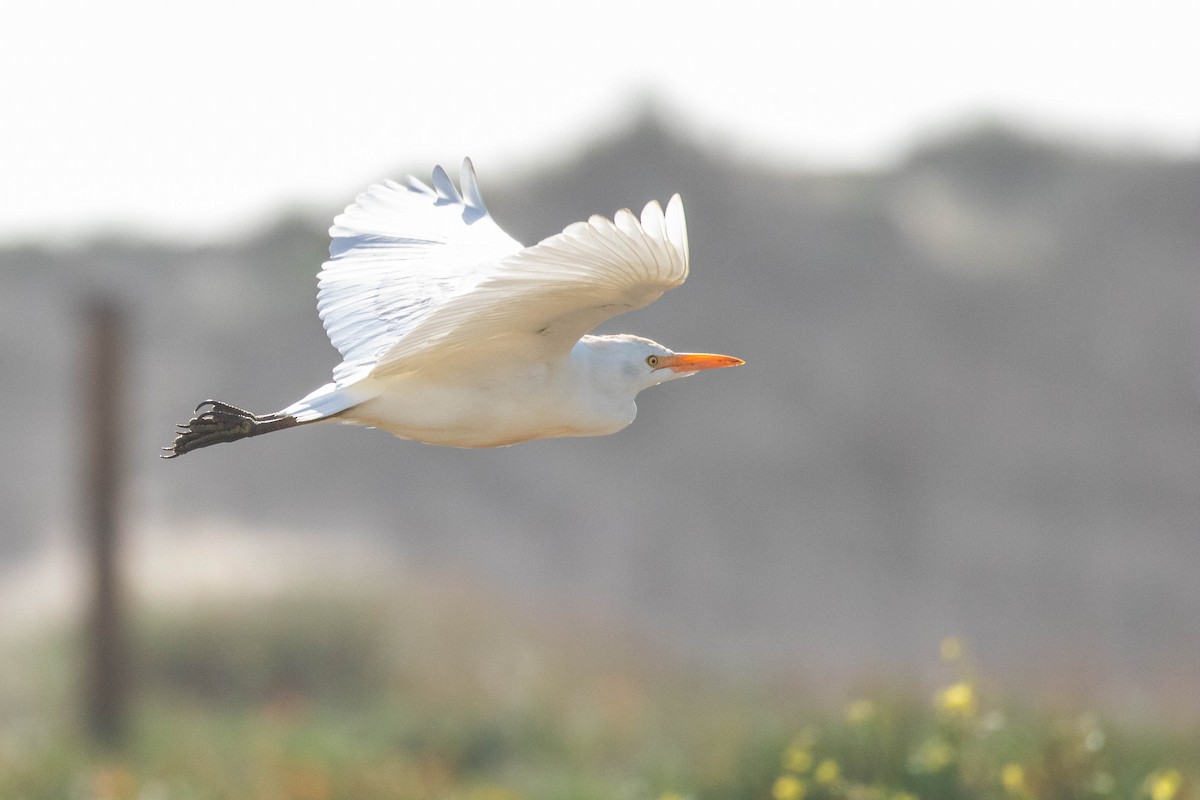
(222, 422)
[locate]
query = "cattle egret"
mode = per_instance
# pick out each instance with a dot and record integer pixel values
(452, 333)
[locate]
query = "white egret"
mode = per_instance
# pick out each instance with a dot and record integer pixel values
(452, 333)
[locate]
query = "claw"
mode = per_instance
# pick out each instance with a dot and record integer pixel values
(217, 422)
(217, 407)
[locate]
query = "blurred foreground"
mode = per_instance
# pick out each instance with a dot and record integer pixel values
(441, 689)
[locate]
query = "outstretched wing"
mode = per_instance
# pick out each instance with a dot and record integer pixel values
(538, 302)
(444, 285)
(396, 256)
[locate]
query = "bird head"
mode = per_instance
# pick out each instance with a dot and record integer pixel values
(645, 363)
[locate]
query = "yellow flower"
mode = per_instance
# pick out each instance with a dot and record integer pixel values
(904, 796)
(788, 787)
(827, 772)
(797, 759)
(951, 649)
(860, 711)
(670, 796)
(1163, 784)
(957, 699)
(932, 755)
(1013, 778)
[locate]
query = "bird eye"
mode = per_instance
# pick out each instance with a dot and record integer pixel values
(652, 361)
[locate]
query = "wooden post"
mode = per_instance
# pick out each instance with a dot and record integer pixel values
(102, 440)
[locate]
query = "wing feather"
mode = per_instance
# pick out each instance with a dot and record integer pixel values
(397, 254)
(421, 274)
(541, 300)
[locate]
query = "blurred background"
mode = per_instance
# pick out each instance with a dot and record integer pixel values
(958, 246)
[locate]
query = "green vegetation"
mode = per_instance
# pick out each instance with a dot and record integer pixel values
(438, 695)
(960, 743)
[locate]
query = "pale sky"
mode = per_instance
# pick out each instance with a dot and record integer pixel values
(196, 120)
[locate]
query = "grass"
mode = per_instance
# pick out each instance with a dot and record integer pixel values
(429, 695)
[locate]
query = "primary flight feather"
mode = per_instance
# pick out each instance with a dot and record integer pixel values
(452, 333)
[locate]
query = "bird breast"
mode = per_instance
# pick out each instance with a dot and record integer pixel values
(492, 409)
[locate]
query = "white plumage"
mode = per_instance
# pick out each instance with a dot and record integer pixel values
(453, 333)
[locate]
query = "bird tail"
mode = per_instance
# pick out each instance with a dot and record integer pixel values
(321, 403)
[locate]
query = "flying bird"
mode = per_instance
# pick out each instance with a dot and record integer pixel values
(453, 333)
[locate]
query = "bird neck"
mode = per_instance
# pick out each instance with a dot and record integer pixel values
(605, 376)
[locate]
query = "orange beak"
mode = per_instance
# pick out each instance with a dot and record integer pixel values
(694, 362)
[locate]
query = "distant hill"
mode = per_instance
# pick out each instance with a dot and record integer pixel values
(970, 406)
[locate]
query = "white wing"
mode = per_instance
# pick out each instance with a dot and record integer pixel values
(540, 301)
(395, 296)
(396, 256)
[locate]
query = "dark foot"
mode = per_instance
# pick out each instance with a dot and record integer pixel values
(222, 423)
(224, 408)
